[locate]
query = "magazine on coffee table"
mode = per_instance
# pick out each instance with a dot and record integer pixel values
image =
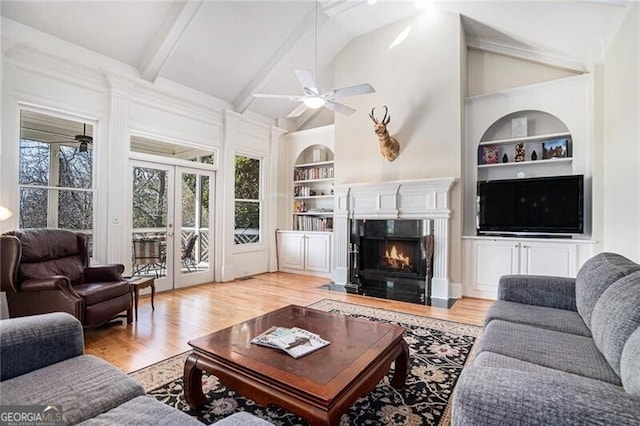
(295, 341)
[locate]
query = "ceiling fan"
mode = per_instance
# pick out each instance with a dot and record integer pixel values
(84, 140)
(313, 97)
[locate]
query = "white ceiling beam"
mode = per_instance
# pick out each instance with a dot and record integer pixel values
(273, 65)
(173, 27)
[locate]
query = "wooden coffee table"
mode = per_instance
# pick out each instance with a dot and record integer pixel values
(319, 386)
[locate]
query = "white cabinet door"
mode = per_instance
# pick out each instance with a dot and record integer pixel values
(548, 258)
(491, 259)
(318, 252)
(292, 250)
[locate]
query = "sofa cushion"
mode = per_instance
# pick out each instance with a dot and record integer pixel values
(499, 396)
(630, 364)
(595, 276)
(493, 360)
(32, 342)
(142, 410)
(553, 349)
(616, 316)
(85, 386)
(539, 316)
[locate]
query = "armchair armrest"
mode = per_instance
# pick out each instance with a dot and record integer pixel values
(33, 342)
(499, 396)
(552, 292)
(103, 273)
(54, 282)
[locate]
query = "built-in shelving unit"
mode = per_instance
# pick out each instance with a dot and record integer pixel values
(531, 116)
(313, 190)
(506, 149)
(525, 139)
(305, 238)
(525, 163)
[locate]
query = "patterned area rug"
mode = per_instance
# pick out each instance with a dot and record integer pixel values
(438, 351)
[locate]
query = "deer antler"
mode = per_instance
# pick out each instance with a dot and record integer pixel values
(386, 120)
(372, 117)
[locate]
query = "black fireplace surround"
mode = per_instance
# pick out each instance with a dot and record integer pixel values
(391, 259)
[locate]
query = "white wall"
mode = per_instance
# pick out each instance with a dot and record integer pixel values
(621, 202)
(420, 81)
(491, 72)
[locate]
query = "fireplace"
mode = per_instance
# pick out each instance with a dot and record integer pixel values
(391, 259)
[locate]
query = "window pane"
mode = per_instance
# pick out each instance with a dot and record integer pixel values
(204, 197)
(247, 216)
(33, 208)
(247, 178)
(75, 210)
(149, 198)
(34, 163)
(188, 200)
(207, 159)
(75, 167)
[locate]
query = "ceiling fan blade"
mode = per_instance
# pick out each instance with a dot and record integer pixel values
(298, 111)
(338, 107)
(289, 97)
(360, 89)
(305, 78)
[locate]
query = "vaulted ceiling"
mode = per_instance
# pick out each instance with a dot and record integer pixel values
(232, 48)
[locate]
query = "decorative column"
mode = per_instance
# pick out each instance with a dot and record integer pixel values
(340, 249)
(116, 177)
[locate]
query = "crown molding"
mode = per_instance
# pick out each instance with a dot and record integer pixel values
(529, 54)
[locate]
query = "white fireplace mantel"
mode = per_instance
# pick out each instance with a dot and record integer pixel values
(409, 199)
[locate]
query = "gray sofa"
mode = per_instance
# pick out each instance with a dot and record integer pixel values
(558, 351)
(42, 362)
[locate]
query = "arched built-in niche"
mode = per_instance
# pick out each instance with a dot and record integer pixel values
(525, 143)
(538, 123)
(313, 175)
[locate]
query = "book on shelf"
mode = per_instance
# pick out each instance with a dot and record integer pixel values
(294, 341)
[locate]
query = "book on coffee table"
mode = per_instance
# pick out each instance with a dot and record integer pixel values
(295, 341)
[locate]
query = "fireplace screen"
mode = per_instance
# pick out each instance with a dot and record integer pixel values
(391, 258)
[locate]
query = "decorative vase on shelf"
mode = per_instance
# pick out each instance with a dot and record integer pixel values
(505, 158)
(520, 152)
(534, 156)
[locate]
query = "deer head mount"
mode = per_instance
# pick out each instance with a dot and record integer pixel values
(389, 146)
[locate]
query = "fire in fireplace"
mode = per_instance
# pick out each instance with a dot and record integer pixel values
(395, 261)
(391, 259)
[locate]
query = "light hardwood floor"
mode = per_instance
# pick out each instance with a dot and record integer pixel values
(182, 315)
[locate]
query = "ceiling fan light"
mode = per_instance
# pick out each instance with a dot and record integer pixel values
(314, 102)
(84, 147)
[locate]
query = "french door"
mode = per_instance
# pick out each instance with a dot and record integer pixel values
(172, 218)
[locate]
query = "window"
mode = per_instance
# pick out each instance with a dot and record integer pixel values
(247, 200)
(55, 175)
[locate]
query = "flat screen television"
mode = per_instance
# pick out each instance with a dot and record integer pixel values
(546, 205)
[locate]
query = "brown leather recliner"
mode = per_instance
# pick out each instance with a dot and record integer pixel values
(47, 270)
